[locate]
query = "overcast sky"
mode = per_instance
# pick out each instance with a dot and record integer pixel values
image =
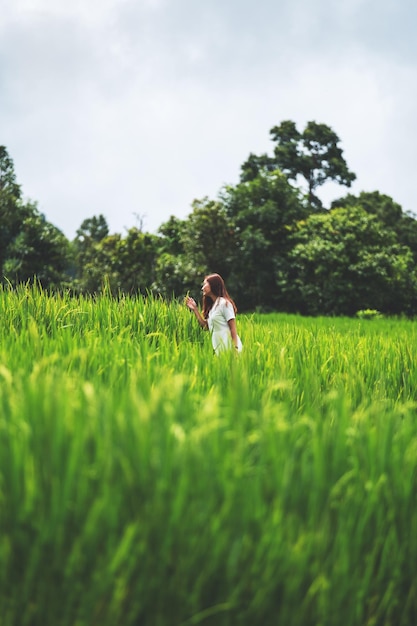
(133, 108)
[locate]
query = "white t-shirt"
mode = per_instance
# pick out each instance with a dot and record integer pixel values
(218, 317)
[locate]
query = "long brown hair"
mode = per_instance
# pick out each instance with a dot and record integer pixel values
(218, 289)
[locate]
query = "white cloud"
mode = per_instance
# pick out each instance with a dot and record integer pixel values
(122, 107)
(82, 10)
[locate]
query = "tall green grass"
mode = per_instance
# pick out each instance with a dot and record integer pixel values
(144, 481)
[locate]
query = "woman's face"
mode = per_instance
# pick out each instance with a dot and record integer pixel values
(206, 289)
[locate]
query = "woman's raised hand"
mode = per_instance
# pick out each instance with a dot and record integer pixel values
(191, 303)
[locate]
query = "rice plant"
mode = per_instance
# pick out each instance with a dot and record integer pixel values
(144, 481)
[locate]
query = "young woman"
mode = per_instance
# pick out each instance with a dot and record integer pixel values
(219, 314)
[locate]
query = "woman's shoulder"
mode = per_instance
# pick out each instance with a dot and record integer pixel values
(226, 307)
(223, 302)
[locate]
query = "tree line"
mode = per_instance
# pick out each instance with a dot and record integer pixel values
(269, 236)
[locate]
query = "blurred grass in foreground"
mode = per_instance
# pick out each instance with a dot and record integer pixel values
(143, 481)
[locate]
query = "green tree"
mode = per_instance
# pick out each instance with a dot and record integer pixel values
(91, 232)
(12, 212)
(202, 243)
(39, 250)
(7, 175)
(175, 275)
(375, 203)
(208, 237)
(29, 245)
(89, 257)
(255, 165)
(313, 154)
(346, 260)
(137, 257)
(389, 213)
(261, 211)
(172, 236)
(126, 264)
(104, 269)
(174, 272)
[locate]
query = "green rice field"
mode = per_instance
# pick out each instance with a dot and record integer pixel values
(144, 481)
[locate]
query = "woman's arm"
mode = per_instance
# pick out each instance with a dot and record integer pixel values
(233, 332)
(190, 302)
